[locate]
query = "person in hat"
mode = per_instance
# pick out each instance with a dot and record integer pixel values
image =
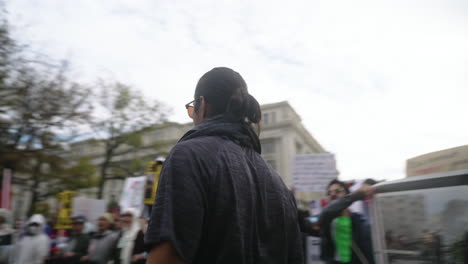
(77, 246)
(103, 242)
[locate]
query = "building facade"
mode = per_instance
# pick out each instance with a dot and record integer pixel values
(439, 161)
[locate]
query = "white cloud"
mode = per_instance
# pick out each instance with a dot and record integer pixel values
(375, 82)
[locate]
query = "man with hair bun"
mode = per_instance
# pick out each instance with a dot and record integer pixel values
(218, 201)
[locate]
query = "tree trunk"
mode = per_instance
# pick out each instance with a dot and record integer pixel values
(34, 189)
(104, 166)
(102, 179)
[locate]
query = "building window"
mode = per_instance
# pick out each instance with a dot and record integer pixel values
(268, 146)
(299, 148)
(269, 118)
(266, 119)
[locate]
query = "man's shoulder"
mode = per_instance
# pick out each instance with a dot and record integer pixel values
(200, 144)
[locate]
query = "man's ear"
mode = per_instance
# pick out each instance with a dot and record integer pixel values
(203, 109)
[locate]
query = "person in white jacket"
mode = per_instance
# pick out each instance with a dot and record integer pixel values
(130, 246)
(34, 247)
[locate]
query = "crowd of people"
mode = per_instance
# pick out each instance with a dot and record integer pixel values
(119, 238)
(116, 238)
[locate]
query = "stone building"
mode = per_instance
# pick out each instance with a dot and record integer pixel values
(452, 159)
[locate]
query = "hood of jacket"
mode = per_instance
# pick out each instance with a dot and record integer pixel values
(240, 133)
(38, 219)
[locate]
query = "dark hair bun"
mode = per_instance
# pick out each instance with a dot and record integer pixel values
(226, 92)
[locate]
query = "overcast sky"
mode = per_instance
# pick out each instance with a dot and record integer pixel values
(375, 82)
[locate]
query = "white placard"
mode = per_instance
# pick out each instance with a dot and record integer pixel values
(133, 194)
(312, 172)
(315, 207)
(313, 250)
(92, 209)
(357, 206)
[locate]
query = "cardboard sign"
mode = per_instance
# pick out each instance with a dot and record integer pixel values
(133, 194)
(89, 208)
(312, 172)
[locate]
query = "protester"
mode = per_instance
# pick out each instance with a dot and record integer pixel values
(116, 225)
(130, 248)
(89, 228)
(59, 239)
(218, 201)
(20, 229)
(102, 243)
(76, 247)
(6, 236)
(345, 234)
(143, 224)
(33, 247)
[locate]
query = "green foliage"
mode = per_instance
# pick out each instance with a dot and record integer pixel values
(123, 98)
(42, 208)
(134, 140)
(80, 176)
(123, 113)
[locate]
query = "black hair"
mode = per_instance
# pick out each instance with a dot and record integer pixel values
(370, 181)
(342, 184)
(126, 215)
(226, 93)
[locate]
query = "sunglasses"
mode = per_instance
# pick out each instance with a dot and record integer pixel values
(190, 108)
(337, 191)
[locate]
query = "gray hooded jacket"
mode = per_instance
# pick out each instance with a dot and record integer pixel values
(34, 247)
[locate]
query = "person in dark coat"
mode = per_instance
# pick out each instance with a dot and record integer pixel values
(76, 247)
(218, 201)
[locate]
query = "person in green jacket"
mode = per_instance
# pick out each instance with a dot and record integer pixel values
(76, 247)
(79, 242)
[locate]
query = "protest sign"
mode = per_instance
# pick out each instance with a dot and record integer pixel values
(312, 172)
(65, 210)
(89, 208)
(313, 250)
(133, 194)
(152, 178)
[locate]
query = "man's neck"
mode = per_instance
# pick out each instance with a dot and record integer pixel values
(346, 212)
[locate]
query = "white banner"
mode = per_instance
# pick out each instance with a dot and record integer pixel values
(312, 172)
(92, 209)
(133, 194)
